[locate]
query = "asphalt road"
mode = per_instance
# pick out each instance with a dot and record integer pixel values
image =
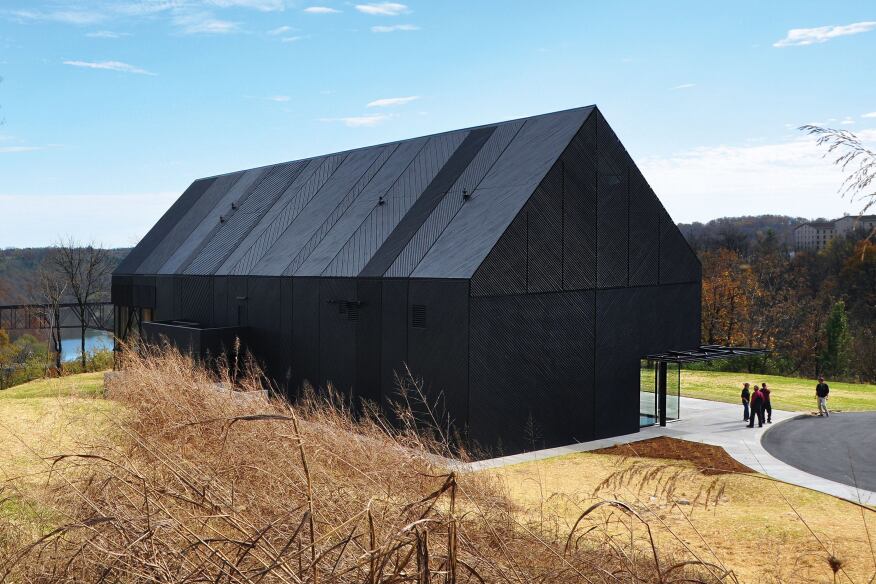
(841, 448)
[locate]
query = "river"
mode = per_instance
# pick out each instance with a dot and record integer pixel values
(94, 341)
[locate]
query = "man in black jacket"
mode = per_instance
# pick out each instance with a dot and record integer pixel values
(746, 397)
(821, 392)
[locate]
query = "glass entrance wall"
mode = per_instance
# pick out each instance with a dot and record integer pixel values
(647, 393)
(673, 391)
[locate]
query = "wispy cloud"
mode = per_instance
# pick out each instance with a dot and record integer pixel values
(150, 7)
(79, 17)
(320, 10)
(392, 101)
(109, 66)
(278, 98)
(809, 36)
(106, 34)
(383, 8)
(394, 28)
(291, 39)
(279, 30)
(763, 178)
(869, 115)
(203, 23)
(368, 121)
(260, 5)
(13, 149)
(683, 86)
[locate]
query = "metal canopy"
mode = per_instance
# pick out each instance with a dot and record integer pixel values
(705, 353)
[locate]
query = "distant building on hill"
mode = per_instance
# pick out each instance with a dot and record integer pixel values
(815, 235)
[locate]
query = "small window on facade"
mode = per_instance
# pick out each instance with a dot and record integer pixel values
(418, 316)
(352, 310)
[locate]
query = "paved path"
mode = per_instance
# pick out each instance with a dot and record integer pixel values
(713, 423)
(841, 448)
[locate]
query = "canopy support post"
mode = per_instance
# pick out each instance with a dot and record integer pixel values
(661, 391)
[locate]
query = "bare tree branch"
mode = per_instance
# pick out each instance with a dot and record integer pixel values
(86, 269)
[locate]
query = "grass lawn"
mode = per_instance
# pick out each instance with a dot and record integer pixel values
(788, 393)
(40, 419)
(751, 530)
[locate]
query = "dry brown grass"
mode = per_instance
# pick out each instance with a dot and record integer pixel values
(763, 530)
(193, 483)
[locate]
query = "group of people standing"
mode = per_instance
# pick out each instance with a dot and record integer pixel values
(756, 404)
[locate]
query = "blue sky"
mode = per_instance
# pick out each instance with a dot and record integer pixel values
(112, 108)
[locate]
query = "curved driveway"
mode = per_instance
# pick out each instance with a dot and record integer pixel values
(841, 448)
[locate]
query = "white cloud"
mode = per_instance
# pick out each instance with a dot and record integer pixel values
(383, 8)
(320, 10)
(279, 30)
(109, 66)
(291, 39)
(809, 36)
(146, 8)
(869, 115)
(78, 17)
(278, 98)
(394, 28)
(367, 121)
(203, 23)
(847, 120)
(684, 86)
(260, 5)
(106, 34)
(791, 177)
(392, 101)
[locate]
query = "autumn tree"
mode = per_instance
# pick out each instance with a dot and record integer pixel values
(725, 296)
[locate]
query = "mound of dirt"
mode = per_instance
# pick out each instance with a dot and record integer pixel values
(709, 460)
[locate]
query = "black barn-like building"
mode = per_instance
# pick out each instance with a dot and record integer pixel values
(521, 268)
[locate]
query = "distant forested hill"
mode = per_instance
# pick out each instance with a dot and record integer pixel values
(18, 271)
(740, 233)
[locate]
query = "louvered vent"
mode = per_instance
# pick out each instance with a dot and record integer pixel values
(352, 309)
(418, 316)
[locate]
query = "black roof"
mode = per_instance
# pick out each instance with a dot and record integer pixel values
(428, 207)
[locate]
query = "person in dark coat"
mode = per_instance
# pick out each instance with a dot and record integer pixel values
(767, 406)
(821, 392)
(746, 397)
(756, 408)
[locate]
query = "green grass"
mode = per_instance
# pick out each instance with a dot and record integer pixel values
(82, 385)
(788, 393)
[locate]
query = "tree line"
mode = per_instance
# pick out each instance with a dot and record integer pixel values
(816, 312)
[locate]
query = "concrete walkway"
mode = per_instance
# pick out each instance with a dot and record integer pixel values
(713, 423)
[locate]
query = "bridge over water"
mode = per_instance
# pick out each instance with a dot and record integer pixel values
(98, 315)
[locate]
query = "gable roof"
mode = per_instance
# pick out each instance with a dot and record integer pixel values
(428, 207)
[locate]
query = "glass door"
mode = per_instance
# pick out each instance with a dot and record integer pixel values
(647, 393)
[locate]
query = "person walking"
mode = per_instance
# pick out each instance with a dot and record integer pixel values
(767, 406)
(756, 408)
(746, 397)
(822, 390)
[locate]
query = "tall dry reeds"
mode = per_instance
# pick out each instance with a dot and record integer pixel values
(194, 482)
